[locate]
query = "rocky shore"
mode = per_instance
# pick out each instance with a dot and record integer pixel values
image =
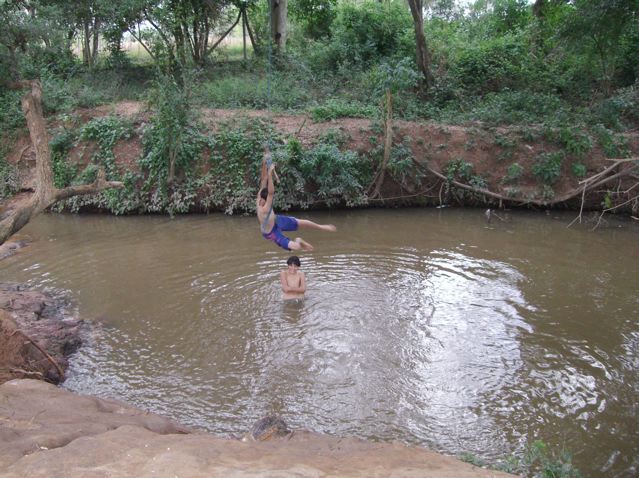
(46, 431)
(38, 332)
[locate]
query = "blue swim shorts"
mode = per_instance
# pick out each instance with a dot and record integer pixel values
(282, 223)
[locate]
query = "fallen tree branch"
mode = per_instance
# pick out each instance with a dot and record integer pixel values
(46, 354)
(612, 209)
(99, 185)
(587, 185)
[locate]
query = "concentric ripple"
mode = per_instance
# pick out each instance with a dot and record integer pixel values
(426, 327)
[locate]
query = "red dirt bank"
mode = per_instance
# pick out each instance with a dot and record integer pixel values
(489, 150)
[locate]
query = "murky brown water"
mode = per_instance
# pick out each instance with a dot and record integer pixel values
(425, 326)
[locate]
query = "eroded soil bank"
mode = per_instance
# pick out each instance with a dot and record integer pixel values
(440, 160)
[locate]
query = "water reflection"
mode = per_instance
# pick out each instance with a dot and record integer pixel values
(421, 326)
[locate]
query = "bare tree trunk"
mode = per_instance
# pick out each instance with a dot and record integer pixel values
(279, 13)
(86, 45)
(388, 143)
(96, 41)
(46, 193)
(254, 44)
(423, 55)
(225, 33)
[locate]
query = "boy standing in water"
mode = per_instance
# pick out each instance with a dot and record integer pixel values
(293, 280)
(272, 225)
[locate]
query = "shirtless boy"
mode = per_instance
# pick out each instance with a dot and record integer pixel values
(272, 225)
(293, 280)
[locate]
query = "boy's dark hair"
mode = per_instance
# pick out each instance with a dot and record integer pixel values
(293, 260)
(264, 193)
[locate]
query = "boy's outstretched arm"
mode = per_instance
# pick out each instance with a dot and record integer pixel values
(263, 174)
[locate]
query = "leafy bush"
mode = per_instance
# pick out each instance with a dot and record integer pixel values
(234, 165)
(573, 139)
(338, 175)
(614, 145)
(9, 181)
(106, 132)
(621, 108)
(492, 65)
(548, 167)
(459, 169)
(250, 91)
(11, 116)
(513, 173)
(579, 170)
(511, 107)
(402, 165)
(63, 172)
(363, 33)
(336, 108)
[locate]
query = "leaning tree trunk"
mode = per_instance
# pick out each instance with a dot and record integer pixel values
(423, 55)
(279, 13)
(46, 194)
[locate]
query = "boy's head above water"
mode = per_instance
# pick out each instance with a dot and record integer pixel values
(293, 261)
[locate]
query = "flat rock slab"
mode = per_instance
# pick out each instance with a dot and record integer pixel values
(49, 432)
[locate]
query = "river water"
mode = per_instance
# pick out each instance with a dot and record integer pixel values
(426, 326)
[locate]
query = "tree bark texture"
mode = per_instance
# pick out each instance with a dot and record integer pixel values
(422, 53)
(279, 13)
(46, 194)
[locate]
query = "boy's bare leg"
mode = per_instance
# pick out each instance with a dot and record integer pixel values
(299, 244)
(305, 223)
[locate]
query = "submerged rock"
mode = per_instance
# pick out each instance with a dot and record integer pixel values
(268, 427)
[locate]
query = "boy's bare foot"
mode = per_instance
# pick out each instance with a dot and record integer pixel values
(305, 245)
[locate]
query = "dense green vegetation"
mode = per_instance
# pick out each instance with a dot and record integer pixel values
(564, 71)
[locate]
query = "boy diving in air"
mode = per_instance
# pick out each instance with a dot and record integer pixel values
(272, 225)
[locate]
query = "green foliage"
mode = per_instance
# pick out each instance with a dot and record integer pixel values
(252, 91)
(550, 466)
(234, 165)
(547, 167)
(336, 108)
(106, 132)
(338, 175)
(363, 33)
(619, 110)
(513, 173)
(505, 107)
(614, 145)
(509, 15)
(63, 172)
(579, 170)
(315, 16)
(9, 180)
(574, 140)
(402, 165)
(458, 169)
(11, 116)
(172, 146)
(540, 461)
(492, 65)
(394, 76)
(472, 459)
